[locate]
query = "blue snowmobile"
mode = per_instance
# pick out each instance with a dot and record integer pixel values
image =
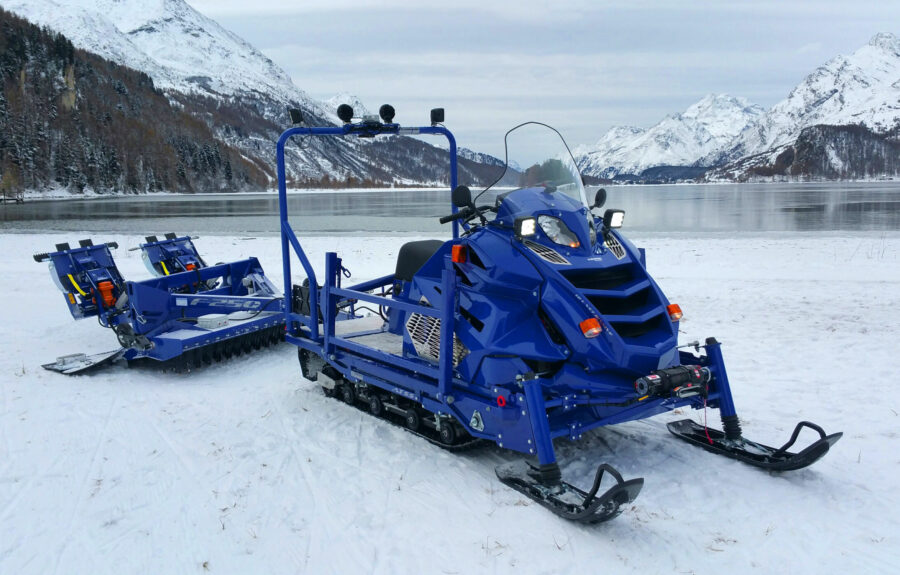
(538, 320)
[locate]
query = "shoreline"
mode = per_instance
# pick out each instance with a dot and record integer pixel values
(63, 195)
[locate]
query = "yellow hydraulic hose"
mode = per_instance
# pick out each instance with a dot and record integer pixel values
(77, 287)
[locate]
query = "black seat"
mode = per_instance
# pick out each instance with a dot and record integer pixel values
(413, 256)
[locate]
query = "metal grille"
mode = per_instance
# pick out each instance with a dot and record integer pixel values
(425, 333)
(547, 254)
(614, 246)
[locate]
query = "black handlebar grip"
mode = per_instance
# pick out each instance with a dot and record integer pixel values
(113, 245)
(41, 257)
(458, 215)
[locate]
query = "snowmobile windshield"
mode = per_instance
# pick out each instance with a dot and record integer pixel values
(538, 156)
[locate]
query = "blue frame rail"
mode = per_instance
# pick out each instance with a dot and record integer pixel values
(289, 238)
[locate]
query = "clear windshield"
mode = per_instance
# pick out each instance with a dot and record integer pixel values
(537, 155)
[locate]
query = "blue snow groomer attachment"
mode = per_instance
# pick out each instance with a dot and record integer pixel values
(87, 276)
(184, 319)
(170, 255)
(536, 320)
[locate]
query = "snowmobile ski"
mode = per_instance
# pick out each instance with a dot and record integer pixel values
(78, 363)
(755, 454)
(568, 501)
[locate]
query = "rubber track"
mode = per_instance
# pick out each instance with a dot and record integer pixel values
(464, 443)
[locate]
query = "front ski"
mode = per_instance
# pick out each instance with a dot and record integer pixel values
(568, 501)
(755, 454)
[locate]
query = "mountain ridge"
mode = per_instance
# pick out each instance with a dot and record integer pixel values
(238, 92)
(861, 89)
(680, 139)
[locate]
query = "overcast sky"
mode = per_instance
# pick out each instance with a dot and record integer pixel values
(580, 65)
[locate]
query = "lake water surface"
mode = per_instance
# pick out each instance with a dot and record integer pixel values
(834, 206)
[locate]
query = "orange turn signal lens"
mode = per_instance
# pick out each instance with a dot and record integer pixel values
(674, 311)
(591, 327)
(458, 254)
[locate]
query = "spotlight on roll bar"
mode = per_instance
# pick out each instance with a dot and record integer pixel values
(437, 116)
(387, 113)
(345, 113)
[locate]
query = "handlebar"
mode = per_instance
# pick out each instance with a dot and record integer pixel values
(463, 213)
(467, 213)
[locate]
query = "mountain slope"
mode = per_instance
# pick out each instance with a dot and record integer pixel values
(860, 89)
(167, 39)
(71, 119)
(241, 95)
(678, 140)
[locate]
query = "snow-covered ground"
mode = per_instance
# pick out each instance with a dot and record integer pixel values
(245, 467)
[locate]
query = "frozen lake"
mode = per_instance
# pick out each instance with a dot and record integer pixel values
(834, 206)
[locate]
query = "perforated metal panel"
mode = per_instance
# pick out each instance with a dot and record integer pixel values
(425, 333)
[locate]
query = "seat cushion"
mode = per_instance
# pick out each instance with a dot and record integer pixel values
(413, 256)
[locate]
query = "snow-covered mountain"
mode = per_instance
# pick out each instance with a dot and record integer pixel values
(171, 42)
(480, 157)
(678, 140)
(860, 89)
(359, 109)
(231, 86)
(743, 140)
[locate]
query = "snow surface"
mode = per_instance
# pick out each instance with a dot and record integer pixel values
(245, 467)
(678, 140)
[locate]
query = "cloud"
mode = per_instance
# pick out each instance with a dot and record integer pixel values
(579, 64)
(811, 47)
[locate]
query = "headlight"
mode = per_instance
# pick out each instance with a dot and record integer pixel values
(613, 219)
(524, 227)
(558, 231)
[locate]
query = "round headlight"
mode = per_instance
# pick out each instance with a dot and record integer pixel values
(558, 231)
